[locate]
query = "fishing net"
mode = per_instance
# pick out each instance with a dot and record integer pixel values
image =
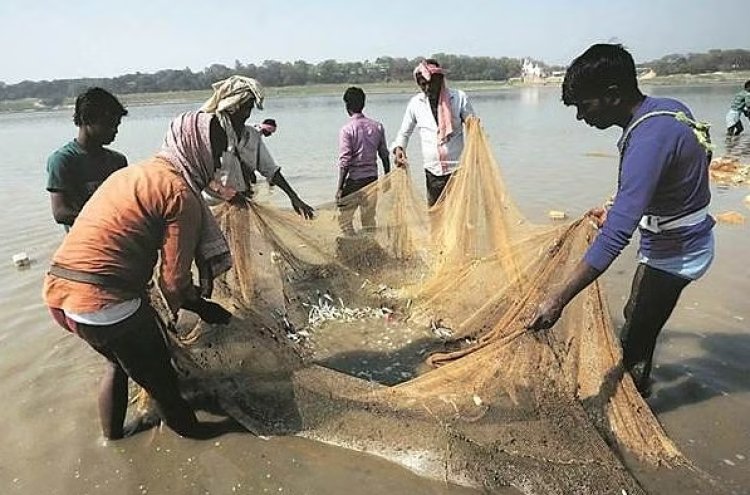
(407, 339)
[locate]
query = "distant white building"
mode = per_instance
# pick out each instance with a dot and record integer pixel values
(531, 72)
(645, 73)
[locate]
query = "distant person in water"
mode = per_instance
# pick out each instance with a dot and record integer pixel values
(439, 113)
(740, 106)
(266, 128)
(78, 168)
(662, 190)
(232, 102)
(97, 284)
(361, 142)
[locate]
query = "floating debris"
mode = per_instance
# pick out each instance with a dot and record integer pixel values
(599, 154)
(556, 215)
(731, 218)
(21, 260)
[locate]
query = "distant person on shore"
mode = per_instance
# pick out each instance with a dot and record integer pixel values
(266, 128)
(740, 105)
(439, 113)
(232, 102)
(361, 142)
(97, 284)
(662, 190)
(78, 168)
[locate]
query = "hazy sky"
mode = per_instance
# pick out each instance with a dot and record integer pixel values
(45, 39)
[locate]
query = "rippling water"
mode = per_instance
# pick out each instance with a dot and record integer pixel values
(550, 161)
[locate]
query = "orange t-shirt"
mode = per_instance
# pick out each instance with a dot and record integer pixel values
(139, 212)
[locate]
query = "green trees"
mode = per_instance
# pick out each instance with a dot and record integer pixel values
(701, 63)
(383, 69)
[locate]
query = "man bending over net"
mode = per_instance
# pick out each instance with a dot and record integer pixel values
(662, 190)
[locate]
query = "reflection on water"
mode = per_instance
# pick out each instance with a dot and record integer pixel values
(737, 146)
(549, 161)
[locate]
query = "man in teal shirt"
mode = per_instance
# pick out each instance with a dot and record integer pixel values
(740, 105)
(77, 169)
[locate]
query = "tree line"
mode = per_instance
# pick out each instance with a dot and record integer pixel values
(702, 63)
(273, 73)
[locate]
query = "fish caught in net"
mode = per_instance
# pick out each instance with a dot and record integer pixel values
(407, 339)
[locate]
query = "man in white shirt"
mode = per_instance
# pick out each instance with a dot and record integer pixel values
(439, 113)
(232, 102)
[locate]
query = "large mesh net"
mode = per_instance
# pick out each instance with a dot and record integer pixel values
(407, 339)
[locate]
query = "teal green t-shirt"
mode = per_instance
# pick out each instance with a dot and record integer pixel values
(741, 101)
(77, 173)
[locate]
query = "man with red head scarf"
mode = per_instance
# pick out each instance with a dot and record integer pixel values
(267, 127)
(439, 113)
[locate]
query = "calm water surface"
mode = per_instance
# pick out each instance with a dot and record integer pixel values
(49, 425)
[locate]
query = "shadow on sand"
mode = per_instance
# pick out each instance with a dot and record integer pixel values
(721, 369)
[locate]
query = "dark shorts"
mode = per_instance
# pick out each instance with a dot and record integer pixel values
(135, 344)
(435, 186)
(354, 185)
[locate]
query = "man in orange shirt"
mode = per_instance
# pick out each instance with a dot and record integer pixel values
(97, 283)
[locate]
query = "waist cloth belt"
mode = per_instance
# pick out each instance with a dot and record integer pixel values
(658, 223)
(100, 279)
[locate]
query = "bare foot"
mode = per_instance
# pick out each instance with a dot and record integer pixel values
(141, 423)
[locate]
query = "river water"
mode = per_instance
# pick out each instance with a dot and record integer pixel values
(49, 427)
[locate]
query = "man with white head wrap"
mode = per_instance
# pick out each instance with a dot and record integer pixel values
(232, 102)
(439, 113)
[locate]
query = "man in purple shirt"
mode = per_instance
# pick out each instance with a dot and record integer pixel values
(662, 190)
(361, 141)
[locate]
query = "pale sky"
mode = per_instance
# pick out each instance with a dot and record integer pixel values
(45, 39)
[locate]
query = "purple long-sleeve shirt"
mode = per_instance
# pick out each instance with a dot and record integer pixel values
(361, 141)
(664, 171)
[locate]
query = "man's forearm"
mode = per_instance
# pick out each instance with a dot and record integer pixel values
(279, 180)
(583, 275)
(62, 211)
(343, 174)
(386, 163)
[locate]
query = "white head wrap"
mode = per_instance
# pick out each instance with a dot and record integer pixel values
(232, 92)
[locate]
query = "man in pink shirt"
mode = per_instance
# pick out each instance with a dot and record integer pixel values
(361, 141)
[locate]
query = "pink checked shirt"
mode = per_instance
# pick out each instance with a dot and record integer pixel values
(361, 140)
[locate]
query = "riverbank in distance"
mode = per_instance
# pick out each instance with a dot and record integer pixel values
(197, 96)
